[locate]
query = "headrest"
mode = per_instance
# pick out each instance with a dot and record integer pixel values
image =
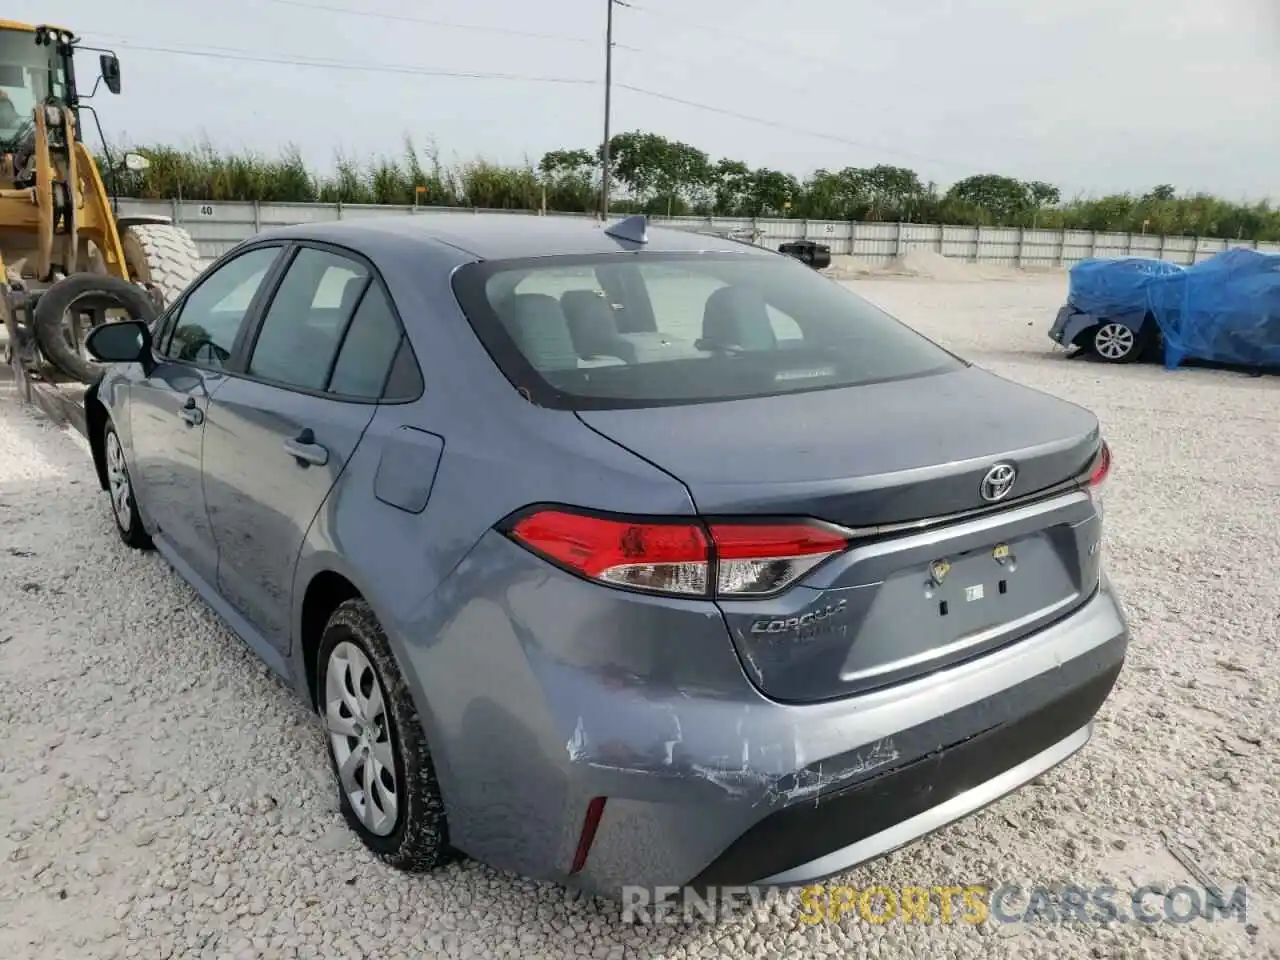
(593, 327)
(738, 316)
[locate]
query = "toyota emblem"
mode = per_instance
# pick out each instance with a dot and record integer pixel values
(997, 482)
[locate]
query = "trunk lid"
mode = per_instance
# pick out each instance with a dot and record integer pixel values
(864, 455)
(882, 455)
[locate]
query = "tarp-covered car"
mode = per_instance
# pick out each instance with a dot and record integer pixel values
(1225, 309)
(1106, 309)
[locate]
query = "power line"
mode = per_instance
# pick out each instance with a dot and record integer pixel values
(235, 54)
(799, 87)
(779, 125)
(446, 24)
(771, 48)
(229, 53)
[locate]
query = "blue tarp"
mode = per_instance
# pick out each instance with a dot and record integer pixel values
(1107, 288)
(1225, 309)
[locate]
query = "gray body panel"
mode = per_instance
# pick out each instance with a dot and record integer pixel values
(539, 690)
(261, 499)
(167, 451)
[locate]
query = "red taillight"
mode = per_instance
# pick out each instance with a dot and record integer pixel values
(1099, 471)
(665, 557)
(750, 559)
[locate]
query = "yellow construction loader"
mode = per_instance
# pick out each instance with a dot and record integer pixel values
(67, 260)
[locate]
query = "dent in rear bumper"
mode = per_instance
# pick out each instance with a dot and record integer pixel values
(927, 821)
(839, 746)
(547, 691)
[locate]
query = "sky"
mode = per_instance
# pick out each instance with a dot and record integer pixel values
(1092, 95)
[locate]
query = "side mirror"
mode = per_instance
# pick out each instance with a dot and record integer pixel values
(136, 162)
(110, 65)
(120, 341)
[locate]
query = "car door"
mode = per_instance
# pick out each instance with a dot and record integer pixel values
(280, 432)
(167, 408)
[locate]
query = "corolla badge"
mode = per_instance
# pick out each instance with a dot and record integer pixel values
(997, 482)
(800, 623)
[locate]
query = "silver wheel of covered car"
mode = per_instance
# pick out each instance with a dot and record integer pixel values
(387, 786)
(1115, 342)
(124, 505)
(355, 714)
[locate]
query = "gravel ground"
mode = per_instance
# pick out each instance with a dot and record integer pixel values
(161, 795)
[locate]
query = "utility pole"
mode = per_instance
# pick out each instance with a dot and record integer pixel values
(608, 90)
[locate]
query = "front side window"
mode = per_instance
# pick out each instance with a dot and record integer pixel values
(307, 318)
(210, 316)
(654, 329)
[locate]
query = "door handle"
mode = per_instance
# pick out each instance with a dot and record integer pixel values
(306, 451)
(192, 414)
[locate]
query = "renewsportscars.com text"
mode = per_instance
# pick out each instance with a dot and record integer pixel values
(945, 904)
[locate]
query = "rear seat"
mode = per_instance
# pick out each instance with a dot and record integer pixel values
(593, 328)
(538, 325)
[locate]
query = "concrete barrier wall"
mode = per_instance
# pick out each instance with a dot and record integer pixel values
(217, 227)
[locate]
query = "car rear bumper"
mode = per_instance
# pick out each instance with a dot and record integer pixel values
(1069, 324)
(803, 843)
(547, 692)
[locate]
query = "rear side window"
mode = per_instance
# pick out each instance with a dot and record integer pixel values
(367, 353)
(653, 329)
(308, 315)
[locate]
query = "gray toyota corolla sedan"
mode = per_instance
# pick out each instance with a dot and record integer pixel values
(611, 555)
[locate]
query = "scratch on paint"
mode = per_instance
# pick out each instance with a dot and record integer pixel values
(733, 782)
(671, 744)
(577, 745)
(613, 768)
(882, 752)
(812, 783)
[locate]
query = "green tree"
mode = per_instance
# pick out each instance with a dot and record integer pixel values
(731, 184)
(663, 175)
(771, 193)
(1003, 199)
(1042, 195)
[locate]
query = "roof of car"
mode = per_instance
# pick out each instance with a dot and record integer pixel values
(497, 236)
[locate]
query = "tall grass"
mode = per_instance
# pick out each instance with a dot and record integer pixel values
(205, 172)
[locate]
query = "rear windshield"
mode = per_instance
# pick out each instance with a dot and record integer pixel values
(635, 330)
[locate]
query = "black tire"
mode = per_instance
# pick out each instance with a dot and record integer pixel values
(419, 841)
(93, 290)
(163, 255)
(128, 520)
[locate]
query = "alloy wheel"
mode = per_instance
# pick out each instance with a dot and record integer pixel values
(1114, 341)
(118, 483)
(360, 735)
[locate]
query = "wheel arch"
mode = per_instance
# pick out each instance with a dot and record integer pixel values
(1079, 329)
(328, 583)
(95, 416)
(326, 590)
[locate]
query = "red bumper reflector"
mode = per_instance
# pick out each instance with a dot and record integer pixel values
(595, 810)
